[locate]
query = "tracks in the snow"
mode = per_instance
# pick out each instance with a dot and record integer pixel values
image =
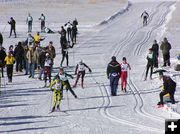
(104, 111)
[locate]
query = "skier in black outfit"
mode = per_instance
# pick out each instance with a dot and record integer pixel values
(12, 22)
(63, 36)
(2, 57)
(114, 73)
(64, 51)
(64, 78)
(155, 49)
(74, 34)
(169, 87)
(19, 56)
(145, 16)
(1, 39)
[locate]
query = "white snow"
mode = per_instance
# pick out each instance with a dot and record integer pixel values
(24, 105)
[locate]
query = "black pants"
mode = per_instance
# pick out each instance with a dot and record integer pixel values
(80, 74)
(166, 58)
(156, 61)
(69, 33)
(19, 64)
(73, 37)
(42, 26)
(151, 70)
(14, 30)
(164, 93)
(65, 55)
(68, 87)
(9, 72)
(30, 26)
(2, 72)
(144, 21)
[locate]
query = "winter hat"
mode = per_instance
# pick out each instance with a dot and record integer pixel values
(113, 58)
(124, 58)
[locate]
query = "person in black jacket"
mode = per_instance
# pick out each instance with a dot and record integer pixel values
(114, 73)
(2, 57)
(169, 87)
(63, 35)
(155, 49)
(1, 39)
(19, 56)
(12, 22)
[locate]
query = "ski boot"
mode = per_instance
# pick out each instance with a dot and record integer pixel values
(58, 108)
(53, 109)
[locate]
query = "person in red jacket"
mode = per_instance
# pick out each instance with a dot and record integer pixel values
(124, 73)
(80, 71)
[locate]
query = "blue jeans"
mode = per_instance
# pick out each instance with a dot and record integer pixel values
(31, 69)
(114, 84)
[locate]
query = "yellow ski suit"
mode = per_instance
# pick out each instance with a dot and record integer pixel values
(57, 87)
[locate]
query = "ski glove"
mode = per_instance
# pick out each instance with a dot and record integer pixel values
(90, 70)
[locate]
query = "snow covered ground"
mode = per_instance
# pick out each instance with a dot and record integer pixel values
(24, 105)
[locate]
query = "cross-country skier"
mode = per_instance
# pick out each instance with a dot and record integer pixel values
(29, 21)
(150, 58)
(64, 78)
(124, 68)
(12, 22)
(80, 71)
(63, 39)
(155, 49)
(47, 68)
(145, 16)
(114, 73)
(42, 19)
(57, 87)
(69, 30)
(169, 87)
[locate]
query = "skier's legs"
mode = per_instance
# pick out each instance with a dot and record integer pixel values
(164, 59)
(14, 32)
(68, 86)
(112, 84)
(172, 97)
(82, 79)
(147, 70)
(63, 56)
(55, 98)
(78, 76)
(58, 98)
(67, 59)
(115, 86)
(151, 67)
(17, 65)
(161, 96)
(10, 32)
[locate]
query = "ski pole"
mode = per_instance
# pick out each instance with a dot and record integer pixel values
(67, 99)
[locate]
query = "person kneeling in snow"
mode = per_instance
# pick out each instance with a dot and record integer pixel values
(80, 71)
(57, 87)
(169, 87)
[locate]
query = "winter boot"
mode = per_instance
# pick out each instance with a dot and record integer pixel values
(58, 107)
(53, 109)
